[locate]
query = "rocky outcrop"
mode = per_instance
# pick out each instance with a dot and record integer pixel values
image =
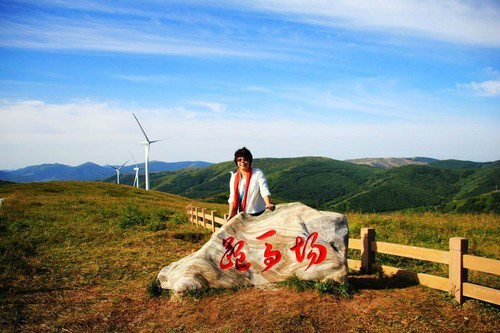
(293, 240)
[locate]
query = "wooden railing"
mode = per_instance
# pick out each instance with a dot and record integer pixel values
(457, 259)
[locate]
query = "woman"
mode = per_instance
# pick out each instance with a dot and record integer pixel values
(248, 187)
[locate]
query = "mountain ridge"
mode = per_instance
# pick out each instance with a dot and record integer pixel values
(329, 184)
(87, 171)
(392, 162)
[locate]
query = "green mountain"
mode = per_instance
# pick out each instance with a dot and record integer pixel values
(424, 187)
(335, 185)
(458, 165)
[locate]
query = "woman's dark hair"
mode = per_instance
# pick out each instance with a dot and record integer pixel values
(243, 152)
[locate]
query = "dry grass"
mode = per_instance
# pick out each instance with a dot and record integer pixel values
(68, 266)
(433, 230)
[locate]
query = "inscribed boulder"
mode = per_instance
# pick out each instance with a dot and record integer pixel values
(253, 250)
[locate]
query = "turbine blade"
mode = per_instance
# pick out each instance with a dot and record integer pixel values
(133, 158)
(112, 166)
(123, 165)
(156, 140)
(142, 129)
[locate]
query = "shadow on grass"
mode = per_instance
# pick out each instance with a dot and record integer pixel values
(379, 281)
(5, 291)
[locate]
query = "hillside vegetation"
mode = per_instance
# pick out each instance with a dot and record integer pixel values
(79, 257)
(323, 183)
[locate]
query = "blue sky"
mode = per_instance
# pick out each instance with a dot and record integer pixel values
(340, 79)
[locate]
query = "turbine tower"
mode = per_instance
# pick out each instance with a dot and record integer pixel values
(146, 144)
(117, 171)
(136, 169)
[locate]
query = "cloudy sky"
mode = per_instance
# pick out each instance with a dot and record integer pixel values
(341, 79)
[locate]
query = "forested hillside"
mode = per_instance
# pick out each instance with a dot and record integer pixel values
(335, 185)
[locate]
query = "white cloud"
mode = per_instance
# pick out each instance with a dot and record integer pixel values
(257, 89)
(213, 106)
(159, 29)
(489, 88)
(110, 36)
(34, 132)
(467, 22)
(145, 78)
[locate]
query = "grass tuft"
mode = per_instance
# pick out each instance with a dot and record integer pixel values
(331, 287)
(154, 290)
(323, 287)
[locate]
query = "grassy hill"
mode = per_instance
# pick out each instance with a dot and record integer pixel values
(335, 185)
(78, 257)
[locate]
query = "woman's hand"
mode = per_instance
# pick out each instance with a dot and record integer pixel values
(271, 207)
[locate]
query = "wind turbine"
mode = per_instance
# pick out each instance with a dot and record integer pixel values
(146, 144)
(117, 171)
(136, 169)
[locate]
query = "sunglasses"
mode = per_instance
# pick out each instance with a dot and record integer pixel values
(242, 159)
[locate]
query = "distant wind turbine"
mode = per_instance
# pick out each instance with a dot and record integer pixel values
(146, 144)
(136, 169)
(117, 171)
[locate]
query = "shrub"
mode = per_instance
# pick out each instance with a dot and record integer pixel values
(160, 219)
(156, 225)
(164, 214)
(131, 216)
(179, 218)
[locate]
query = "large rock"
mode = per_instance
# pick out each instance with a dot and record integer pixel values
(293, 240)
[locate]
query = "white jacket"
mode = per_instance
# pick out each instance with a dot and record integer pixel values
(256, 192)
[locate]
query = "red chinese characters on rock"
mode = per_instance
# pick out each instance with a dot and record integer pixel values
(234, 255)
(272, 257)
(316, 255)
(234, 251)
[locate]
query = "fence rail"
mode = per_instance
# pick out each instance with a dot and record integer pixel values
(457, 259)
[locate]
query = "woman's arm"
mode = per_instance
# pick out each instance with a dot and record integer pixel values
(264, 191)
(269, 205)
(231, 195)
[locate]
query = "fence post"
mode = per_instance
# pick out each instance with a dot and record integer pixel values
(204, 211)
(457, 274)
(191, 208)
(213, 219)
(367, 255)
(195, 221)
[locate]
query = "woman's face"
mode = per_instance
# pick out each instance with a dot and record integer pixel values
(243, 163)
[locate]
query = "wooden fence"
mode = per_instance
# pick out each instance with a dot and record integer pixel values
(457, 259)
